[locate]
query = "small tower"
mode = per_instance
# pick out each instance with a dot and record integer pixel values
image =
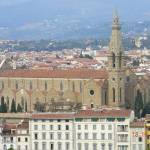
(116, 86)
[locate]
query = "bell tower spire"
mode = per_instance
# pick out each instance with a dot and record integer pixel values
(116, 88)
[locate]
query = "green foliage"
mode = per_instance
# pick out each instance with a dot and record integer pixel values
(138, 104)
(10, 149)
(13, 106)
(146, 109)
(3, 107)
(19, 108)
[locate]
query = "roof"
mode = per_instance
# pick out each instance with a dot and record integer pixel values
(137, 124)
(72, 73)
(83, 113)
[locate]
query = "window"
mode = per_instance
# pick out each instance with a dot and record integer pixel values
(86, 135)
(67, 136)
(16, 85)
(19, 139)
(109, 127)
(36, 146)
(61, 86)
(79, 136)
(114, 95)
(3, 85)
(73, 87)
(44, 135)
(11, 139)
(26, 147)
(113, 60)
(30, 85)
(44, 145)
(51, 127)
(51, 146)
(59, 136)
(51, 136)
(109, 136)
(86, 146)
(43, 127)
(120, 59)
(103, 127)
(35, 127)
(67, 146)
(94, 127)
(35, 136)
(59, 146)
(134, 146)
(103, 136)
(79, 146)
(120, 94)
(140, 139)
(26, 139)
(79, 127)
(94, 136)
(94, 146)
(103, 146)
(86, 127)
(45, 86)
(67, 127)
(59, 127)
(80, 87)
(18, 147)
(109, 146)
(91, 92)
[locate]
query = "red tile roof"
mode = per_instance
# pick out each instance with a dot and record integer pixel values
(84, 113)
(72, 73)
(137, 124)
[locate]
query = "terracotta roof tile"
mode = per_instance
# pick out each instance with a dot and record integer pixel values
(72, 73)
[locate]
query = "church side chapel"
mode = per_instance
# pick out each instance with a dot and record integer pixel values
(56, 90)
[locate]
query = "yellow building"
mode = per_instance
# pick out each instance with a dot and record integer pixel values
(147, 128)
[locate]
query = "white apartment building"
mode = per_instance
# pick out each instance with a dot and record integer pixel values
(15, 136)
(106, 129)
(137, 134)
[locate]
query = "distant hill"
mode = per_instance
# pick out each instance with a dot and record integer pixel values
(66, 19)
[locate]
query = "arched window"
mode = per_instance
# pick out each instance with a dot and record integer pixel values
(61, 86)
(16, 85)
(120, 94)
(73, 86)
(31, 85)
(2, 85)
(22, 102)
(113, 60)
(80, 87)
(120, 59)
(45, 85)
(114, 94)
(105, 101)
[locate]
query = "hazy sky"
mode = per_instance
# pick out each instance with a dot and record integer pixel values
(21, 11)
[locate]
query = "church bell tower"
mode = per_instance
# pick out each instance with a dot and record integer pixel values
(116, 80)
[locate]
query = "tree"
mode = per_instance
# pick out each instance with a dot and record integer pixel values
(13, 106)
(146, 109)
(3, 105)
(10, 149)
(138, 104)
(19, 108)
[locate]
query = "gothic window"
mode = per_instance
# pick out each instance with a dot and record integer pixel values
(73, 86)
(45, 85)
(16, 85)
(31, 85)
(120, 59)
(105, 98)
(61, 86)
(114, 94)
(113, 60)
(80, 87)
(22, 102)
(120, 94)
(2, 85)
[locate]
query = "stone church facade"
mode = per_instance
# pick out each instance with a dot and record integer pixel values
(112, 87)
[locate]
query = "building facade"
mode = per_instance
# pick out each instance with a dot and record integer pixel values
(84, 130)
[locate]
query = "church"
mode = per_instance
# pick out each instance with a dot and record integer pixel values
(114, 86)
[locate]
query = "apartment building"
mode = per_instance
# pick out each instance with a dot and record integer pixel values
(106, 129)
(147, 131)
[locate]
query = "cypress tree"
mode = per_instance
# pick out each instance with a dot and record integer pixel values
(13, 106)
(3, 105)
(19, 108)
(138, 104)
